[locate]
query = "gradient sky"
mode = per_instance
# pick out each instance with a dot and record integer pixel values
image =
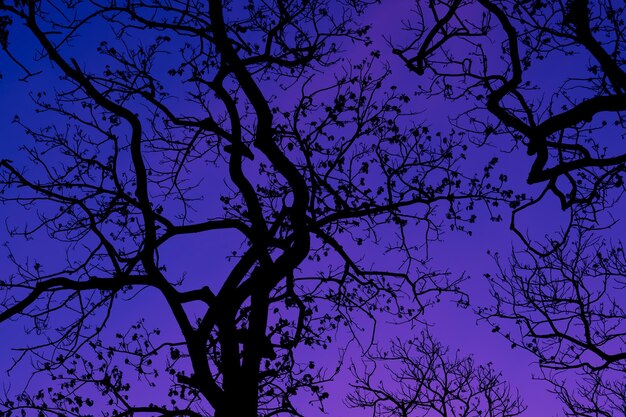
(457, 253)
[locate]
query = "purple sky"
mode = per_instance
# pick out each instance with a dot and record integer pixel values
(457, 253)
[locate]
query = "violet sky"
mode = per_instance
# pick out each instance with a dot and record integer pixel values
(457, 252)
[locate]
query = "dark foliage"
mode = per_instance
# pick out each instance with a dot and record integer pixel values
(216, 119)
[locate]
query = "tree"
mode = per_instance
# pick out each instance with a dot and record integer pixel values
(129, 155)
(560, 300)
(496, 51)
(569, 313)
(427, 380)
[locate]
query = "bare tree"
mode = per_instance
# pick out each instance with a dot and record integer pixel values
(207, 118)
(422, 378)
(498, 53)
(598, 393)
(569, 313)
(561, 300)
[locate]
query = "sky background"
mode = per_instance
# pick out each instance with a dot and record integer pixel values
(458, 252)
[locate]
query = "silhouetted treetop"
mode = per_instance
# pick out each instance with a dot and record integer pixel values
(421, 377)
(188, 119)
(498, 52)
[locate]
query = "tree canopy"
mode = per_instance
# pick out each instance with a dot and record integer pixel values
(279, 132)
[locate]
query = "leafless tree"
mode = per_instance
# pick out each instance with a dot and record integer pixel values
(598, 394)
(210, 118)
(422, 378)
(499, 51)
(568, 311)
(561, 300)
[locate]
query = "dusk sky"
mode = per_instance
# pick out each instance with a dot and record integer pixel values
(207, 258)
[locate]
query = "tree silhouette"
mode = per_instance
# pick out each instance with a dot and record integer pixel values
(197, 118)
(562, 299)
(569, 313)
(498, 51)
(427, 380)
